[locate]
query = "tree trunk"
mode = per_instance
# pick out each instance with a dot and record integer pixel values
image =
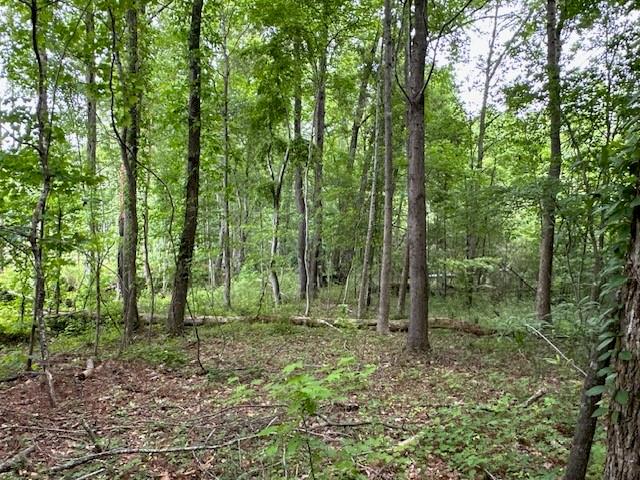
(130, 162)
(363, 294)
(543, 292)
(36, 234)
(315, 265)
(300, 202)
(226, 248)
(92, 141)
(404, 278)
(417, 338)
(586, 424)
(57, 294)
(175, 317)
(387, 241)
(277, 181)
(623, 440)
(148, 273)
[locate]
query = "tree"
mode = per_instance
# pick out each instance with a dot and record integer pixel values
(128, 136)
(175, 316)
(623, 441)
(543, 291)
(418, 337)
(389, 181)
(36, 234)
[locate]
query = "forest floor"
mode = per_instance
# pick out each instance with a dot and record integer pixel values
(285, 401)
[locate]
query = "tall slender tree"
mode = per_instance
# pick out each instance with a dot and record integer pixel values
(543, 291)
(389, 181)
(175, 317)
(92, 141)
(36, 233)
(418, 336)
(225, 236)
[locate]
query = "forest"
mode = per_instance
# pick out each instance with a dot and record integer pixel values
(320, 239)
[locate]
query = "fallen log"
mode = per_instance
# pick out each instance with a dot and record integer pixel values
(87, 372)
(394, 325)
(17, 459)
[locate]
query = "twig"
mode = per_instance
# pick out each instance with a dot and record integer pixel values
(490, 475)
(92, 435)
(91, 474)
(147, 451)
(567, 359)
(331, 423)
(17, 459)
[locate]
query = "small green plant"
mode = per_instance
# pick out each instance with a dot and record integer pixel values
(304, 394)
(170, 354)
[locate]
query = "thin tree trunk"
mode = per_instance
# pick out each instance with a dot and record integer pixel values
(57, 294)
(389, 181)
(417, 337)
(226, 248)
(92, 141)
(404, 278)
(586, 424)
(36, 234)
(130, 162)
(315, 270)
(175, 317)
(148, 273)
(543, 292)
(368, 246)
(277, 196)
(300, 202)
(402, 292)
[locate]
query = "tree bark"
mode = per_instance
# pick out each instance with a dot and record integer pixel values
(404, 278)
(148, 273)
(92, 142)
(300, 202)
(363, 293)
(36, 234)
(543, 292)
(586, 424)
(389, 181)
(175, 317)
(129, 150)
(623, 440)
(277, 181)
(417, 337)
(315, 265)
(226, 248)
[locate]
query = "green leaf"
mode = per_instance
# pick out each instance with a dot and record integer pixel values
(600, 411)
(605, 355)
(625, 355)
(605, 343)
(597, 390)
(622, 397)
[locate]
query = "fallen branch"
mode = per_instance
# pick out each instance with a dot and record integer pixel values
(394, 326)
(19, 376)
(92, 435)
(91, 474)
(533, 398)
(332, 423)
(147, 451)
(567, 359)
(17, 459)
